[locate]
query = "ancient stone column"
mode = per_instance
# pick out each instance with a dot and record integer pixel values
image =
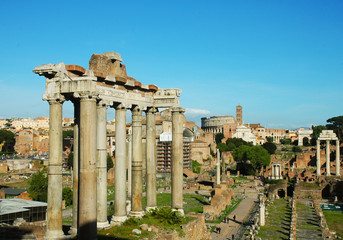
(262, 210)
(88, 185)
(318, 158)
(338, 167)
(101, 166)
(137, 176)
(328, 158)
(76, 172)
(177, 159)
(129, 167)
(273, 171)
(120, 167)
(218, 166)
(54, 211)
(150, 159)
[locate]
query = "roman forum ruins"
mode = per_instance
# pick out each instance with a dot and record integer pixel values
(105, 84)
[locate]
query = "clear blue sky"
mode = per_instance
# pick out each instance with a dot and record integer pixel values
(281, 60)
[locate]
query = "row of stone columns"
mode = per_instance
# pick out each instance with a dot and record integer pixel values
(276, 171)
(90, 166)
(328, 173)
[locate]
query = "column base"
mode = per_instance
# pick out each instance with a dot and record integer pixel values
(117, 219)
(147, 209)
(328, 174)
(100, 225)
(54, 235)
(137, 214)
(128, 206)
(179, 210)
(73, 231)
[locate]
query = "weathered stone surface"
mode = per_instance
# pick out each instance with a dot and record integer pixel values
(144, 227)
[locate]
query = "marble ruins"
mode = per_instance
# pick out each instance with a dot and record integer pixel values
(105, 84)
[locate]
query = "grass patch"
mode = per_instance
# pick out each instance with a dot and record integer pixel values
(165, 219)
(334, 219)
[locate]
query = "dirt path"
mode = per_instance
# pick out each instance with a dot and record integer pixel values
(241, 212)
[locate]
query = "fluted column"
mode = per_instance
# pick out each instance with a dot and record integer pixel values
(150, 159)
(120, 167)
(177, 158)
(218, 166)
(318, 158)
(328, 158)
(87, 200)
(54, 211)
(137, 180)
(101, 165)
(338, 167)
(76, 171)
(129, 167)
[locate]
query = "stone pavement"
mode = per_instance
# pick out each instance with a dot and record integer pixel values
(307, 222)
(241, 212)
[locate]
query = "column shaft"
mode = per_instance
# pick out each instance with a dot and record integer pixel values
(101, 167)
(328, 158)
(218, 166)
(338, 167)
(54, 211)
(87, 201)
(150, 159)
(120, 167)
(177, 158)
(129, 167)
(318, 158)
(76, 172)
(137, 185)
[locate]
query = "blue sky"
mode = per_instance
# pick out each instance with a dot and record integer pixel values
(281, 60)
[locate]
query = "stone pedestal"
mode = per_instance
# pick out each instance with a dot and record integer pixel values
(150, 159)
(137, 183)
(54, 211)
(177, 158)
(101, 166)
(120, 167)
(88, 180)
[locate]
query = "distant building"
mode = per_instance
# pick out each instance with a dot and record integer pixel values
(245, 133)
(164, 151)
(30, 211)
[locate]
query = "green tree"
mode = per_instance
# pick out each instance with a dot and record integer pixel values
(258, 156)
(8, 138)
(109, 162)
(71, 160)
(270, 139)
(296, 149)
(336, 124)
(67, 196)
(237, 142)
(317, 130)
(270, 147)
(222, 147)
(68, 133)
(231, 146)
(38, 189)
(286, 141)
(196, 166)
(240, 153)
(218, 137)
(306, 141)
